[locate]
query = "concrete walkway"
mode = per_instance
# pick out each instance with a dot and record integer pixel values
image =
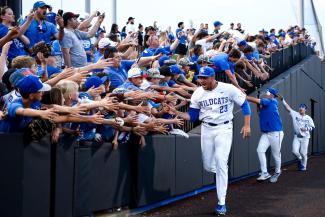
(296, 194)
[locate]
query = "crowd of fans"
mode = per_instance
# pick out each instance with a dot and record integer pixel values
(61, 73)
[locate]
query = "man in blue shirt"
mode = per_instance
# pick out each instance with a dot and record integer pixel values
(118, 68)
(272, 132)
(225, 63)
(42, 30)
(180, 34)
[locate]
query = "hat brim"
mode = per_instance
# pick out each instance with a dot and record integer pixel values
(45, 87)
(205, 76)
(157, 76)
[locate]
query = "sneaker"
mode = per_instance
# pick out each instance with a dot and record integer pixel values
(300, 166)
(221, 210)
(275, 177)
(263, 176)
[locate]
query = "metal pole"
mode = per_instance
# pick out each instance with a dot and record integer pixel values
(301, 15)
(114, 11)
(87, 6)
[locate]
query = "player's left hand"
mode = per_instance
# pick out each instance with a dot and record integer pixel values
(246, 131)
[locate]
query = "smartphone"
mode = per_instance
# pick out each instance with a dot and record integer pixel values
(60, 12)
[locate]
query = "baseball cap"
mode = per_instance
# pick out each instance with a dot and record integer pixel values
(154, 73)
(131, 18)
(185, 62)
(105, 42)
(95, 81)
(175, 70)
(273, 91)
(162, 60)
(69, 15)
(303, 105)
(32, 84)
(206, 71)
(242, 43)
(135, 73)
(18, 75)
(40, 4)
(204, 58)
(217, 23)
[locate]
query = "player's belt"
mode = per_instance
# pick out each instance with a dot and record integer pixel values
(214, 125)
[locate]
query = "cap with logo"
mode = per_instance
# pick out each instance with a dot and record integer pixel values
(206, 71)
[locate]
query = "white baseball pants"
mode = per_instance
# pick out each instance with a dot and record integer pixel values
(300, 149)
(273, 139)
(215, 145)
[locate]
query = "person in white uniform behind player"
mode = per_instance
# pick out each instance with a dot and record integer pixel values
(213, 104)
(303, 124)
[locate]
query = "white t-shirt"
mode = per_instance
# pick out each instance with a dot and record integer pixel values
(205, 45)
(300, 121)
(216, 106)
(130, 28)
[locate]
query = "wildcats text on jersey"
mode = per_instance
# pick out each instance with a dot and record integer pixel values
(214, 101)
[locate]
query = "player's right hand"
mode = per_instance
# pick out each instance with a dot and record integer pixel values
(246, 131)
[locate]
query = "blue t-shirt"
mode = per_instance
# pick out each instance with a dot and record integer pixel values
(36, 33)
(118, 76)
(270, 120)
(155, 51)
(14, 123)
(51, 17)
(16, 48)
(222, 63)
(182, 39)
(171, 83)
(56, 48)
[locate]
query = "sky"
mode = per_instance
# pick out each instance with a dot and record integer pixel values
(253, 14)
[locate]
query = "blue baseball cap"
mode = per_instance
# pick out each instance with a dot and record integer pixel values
(94, 81)
(32, 84)
(206, 71)
(18, 75)
(303, 105)
(162, 60)
(40, 4)
(175, 70)
(242, 43)
(282, 34)
(217, 23)
(273, 91)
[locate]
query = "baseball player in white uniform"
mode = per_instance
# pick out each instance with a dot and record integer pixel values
(303, 124)
(213, 104)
